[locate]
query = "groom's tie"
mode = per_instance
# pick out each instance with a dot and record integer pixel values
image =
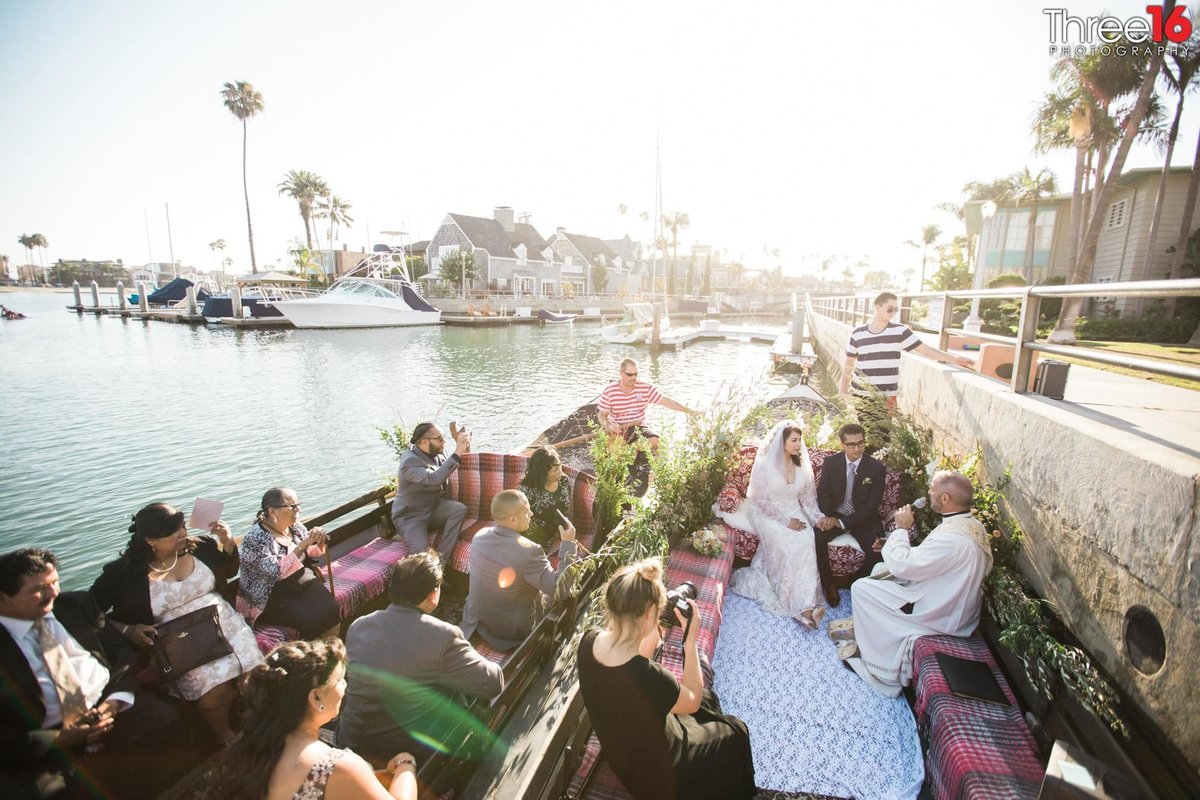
(847, 506)
(62, 672)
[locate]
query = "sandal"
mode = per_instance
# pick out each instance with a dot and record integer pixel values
(847, 649)
(841, 629)
(818, 614)
(807, 620)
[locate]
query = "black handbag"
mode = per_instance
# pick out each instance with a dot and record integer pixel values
(189, 641)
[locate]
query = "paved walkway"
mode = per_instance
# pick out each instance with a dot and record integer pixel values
(1167, 415)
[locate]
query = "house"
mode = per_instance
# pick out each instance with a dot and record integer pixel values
(578, 255)
(1004, 237)
(509, 255)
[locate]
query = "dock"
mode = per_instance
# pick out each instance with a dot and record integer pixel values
(461, 320)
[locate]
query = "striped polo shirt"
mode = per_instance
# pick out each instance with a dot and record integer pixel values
(626, 407)
(878, 354)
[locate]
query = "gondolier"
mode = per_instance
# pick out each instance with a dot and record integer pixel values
(623, 404)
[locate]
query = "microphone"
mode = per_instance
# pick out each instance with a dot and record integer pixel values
(920, 502)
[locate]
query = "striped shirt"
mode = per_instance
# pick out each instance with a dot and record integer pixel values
(624, 407)
(878, 355)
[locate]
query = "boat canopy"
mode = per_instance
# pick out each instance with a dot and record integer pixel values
(175, 291)
(274, 276)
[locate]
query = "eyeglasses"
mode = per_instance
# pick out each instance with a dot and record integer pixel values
(292, 506)
(860, 443)
(435, 438)
(629, 374)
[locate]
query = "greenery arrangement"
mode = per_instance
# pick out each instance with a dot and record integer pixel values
(707, 542)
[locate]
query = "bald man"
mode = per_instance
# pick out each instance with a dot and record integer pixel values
(932, 589)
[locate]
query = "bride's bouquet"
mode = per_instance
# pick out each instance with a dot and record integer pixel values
(707, 541)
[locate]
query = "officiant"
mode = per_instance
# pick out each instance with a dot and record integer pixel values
(933, 589)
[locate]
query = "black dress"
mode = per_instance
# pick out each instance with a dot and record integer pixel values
(656, 754)
(543, 526)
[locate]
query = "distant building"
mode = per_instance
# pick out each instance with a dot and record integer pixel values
(1124, 235)
(509, 255)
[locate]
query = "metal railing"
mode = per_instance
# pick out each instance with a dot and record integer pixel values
(856, 309)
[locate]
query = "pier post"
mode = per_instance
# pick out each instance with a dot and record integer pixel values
(797, 325)
(1026, 333)
(78, 299)
(235, 297)
(143, 303)
(95, 295)
(191, 301)
(121, 296)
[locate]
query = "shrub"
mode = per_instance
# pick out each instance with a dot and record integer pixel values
(1147, 329)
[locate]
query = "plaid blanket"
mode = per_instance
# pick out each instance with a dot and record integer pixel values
(363, 574)
(269, 637)
(482, 475)
(976, 749)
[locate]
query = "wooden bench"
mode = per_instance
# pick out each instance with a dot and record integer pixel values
(845, 556)
(976, 749)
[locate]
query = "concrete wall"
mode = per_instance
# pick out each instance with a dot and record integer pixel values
(1111, 520)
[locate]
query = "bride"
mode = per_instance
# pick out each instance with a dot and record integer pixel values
(782, 504)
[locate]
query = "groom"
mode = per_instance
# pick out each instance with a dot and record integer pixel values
(848, 493)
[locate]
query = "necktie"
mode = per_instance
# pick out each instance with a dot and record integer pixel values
(847, 506)
(66, 679)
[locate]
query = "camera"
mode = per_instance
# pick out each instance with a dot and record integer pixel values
(677, 599)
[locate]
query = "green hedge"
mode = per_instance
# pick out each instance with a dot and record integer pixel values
(1162, 331)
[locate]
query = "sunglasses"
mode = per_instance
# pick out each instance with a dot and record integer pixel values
(629, 374)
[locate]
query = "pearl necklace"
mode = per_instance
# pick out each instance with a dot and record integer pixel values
(165, 570)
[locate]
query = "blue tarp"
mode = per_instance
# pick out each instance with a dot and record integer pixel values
(416, 301)
(173, 292)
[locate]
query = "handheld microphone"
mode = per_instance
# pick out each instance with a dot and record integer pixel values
(920, 502)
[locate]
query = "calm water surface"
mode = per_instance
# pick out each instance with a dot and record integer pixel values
(99, 416)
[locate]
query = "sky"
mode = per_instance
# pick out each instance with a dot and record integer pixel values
(814, 129)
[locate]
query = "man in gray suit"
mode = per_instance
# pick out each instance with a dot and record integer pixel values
(404, 662)
(510, 574)
(421, 507)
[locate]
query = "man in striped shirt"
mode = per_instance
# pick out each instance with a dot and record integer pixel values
(622, 408)
(878, 345)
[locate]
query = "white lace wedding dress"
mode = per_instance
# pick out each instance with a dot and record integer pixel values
(783, 576)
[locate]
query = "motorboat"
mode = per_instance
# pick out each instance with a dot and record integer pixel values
(378, 293)
(635, 326)
(546, 317)
(259, 294)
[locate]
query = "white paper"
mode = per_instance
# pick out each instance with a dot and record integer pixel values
(1077, 775)
(204, 513)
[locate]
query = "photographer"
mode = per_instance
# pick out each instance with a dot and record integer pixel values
(663, 739)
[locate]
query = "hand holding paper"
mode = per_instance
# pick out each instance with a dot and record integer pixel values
(205, 512)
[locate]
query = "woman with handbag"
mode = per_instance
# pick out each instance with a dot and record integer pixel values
(281, 755)
(279, 585)
(165, 594)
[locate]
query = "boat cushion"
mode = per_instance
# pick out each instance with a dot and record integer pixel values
(975, 748)
(482, 475)
(362, 574)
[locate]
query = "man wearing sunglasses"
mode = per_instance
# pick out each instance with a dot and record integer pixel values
(622, 408)
(422, 512)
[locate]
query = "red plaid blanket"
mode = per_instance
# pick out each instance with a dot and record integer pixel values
(482, 475)
(363, 574)
(976, 749)
(269, 637)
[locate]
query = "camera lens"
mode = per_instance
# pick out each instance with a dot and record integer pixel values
(677, 599)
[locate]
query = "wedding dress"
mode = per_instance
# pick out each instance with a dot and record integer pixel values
(783, 576)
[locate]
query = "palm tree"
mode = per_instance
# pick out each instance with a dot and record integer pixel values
(1064, 330)
(304, 187)
(929, 235)
(337, 211)
(41, 242)
(675, 222)
(1025, 187)
(244, 101)
(220, 245)
(27, 241)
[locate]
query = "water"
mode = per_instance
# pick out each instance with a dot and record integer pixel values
(100, 416)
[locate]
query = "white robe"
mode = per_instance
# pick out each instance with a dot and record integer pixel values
(942, 577)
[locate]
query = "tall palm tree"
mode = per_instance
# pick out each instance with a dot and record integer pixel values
(219, 245)
(929, 235)
(244, 101)
(41, 242)
(304, 187)
(675, 222)
(26, 241)
(1026, 188)
(337, 211)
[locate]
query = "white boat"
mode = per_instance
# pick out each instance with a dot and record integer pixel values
(635, 325)
(376, 294)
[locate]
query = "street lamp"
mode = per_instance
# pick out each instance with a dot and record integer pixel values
(974, 322)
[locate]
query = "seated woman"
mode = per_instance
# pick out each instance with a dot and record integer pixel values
(281, 756)
(549, 492)
(663, 739)
(164, 574)
(782, 505)
(279, 585)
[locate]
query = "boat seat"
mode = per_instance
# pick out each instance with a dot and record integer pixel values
(483, 475)
(845, 554)
(362, 574)
(976, 749)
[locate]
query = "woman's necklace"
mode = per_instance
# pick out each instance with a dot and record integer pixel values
(165, 570)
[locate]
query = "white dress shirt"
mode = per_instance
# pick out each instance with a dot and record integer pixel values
(851, 471)
(93, 676)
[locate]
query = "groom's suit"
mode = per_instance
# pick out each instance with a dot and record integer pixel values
(863, 523)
